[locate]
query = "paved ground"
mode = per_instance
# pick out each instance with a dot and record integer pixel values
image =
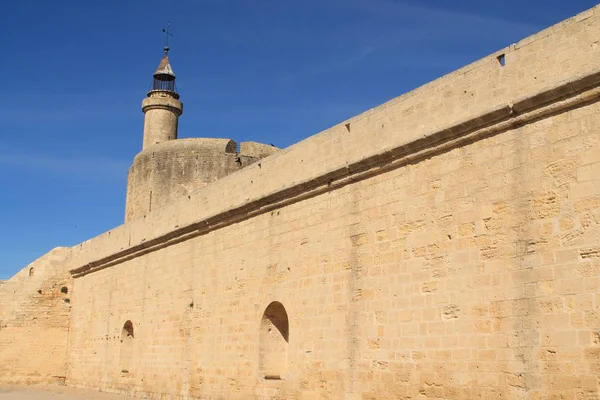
(53, 393)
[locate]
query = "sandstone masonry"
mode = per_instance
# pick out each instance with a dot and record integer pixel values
(444, 245)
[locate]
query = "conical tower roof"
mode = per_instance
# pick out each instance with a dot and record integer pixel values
(164, 68)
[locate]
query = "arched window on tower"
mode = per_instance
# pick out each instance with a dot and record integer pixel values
(126, 347)
(31, 271)
(273, 341)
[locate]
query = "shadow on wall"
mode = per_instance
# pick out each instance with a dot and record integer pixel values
(273, 341)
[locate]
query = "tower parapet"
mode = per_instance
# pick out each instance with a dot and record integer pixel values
(162, 107)
(169, 171)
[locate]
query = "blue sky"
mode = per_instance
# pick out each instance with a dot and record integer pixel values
(276, 71)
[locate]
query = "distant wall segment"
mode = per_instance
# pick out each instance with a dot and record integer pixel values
(34, 321)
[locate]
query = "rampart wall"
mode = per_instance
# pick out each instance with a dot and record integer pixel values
(442, 245)
(539, 69)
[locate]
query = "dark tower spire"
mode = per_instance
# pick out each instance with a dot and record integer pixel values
(164, 77)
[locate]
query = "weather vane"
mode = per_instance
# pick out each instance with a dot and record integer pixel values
(167, 34)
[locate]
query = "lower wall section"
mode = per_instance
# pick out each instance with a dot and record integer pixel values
(472, 274)
(34, 321)
(32, 355)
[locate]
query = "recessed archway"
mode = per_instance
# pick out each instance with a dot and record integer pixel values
(31, 271)
(273, 341)
(126, 351)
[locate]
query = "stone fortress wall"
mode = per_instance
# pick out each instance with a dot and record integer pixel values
(442, 245)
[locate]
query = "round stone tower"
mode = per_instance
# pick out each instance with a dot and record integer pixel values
(168, 170)
(162, 107)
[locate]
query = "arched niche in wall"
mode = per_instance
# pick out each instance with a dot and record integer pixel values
(126, 351)
(31, 271)
(273, 341)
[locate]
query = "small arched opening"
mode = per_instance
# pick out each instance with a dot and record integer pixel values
(126, 354)
(273, 341)
(31, 271)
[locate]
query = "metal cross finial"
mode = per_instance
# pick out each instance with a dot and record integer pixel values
(167, 34)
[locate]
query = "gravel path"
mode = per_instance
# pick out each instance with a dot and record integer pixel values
(54, 393)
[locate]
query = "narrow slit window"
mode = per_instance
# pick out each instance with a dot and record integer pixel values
(502, 59)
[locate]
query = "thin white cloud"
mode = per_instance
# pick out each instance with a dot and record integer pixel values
(408, 35)
(321, 69)
(32, 109)
(93, 168)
